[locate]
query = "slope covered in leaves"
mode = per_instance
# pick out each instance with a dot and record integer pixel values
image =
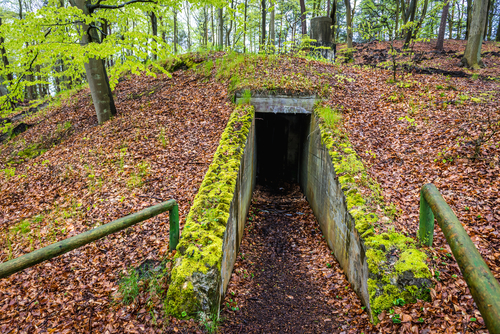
(157, 148)
(424, 128)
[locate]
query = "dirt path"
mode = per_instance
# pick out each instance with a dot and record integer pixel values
(286, 280)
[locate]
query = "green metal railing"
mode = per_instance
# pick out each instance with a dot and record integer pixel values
(28, 260)
(483, 286)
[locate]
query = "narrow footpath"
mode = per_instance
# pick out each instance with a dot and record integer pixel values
(285, 279)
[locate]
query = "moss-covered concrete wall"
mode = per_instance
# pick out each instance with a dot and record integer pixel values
(214, 226)
(384, 268)
(324, 193)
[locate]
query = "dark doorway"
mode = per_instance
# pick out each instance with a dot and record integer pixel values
(280, 140)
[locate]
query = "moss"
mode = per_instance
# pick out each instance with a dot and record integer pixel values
(382, 302)
(413, 260)
(200, 247)
(375, 258)
(390, 241)
(180, 62)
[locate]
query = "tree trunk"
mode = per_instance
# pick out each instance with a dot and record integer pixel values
(486, 20)
(303, 16)
(397, 20)
(349, 23)
(245, 28)
(281, 31)
(450, 21)
(188, 26)
(212, 31)
(95, 70)
(205, 25)
(221, 27)
(472, 54)
(469, 19)
(490, 22)
(442, 27)
(20, 9)
(333, 16)
(497, 38)
(412, 33)
(5, 60)
(460, 17)
(30, 95)
(39, 86)
(263, 22)
(228, 30)
(175, 31)
(154, 28)
(272, 36)
(410, 16)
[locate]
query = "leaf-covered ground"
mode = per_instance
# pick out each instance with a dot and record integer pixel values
(286, 279)
(157, 148)
(419, 129)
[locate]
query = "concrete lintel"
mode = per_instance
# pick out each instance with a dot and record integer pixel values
(283, 104)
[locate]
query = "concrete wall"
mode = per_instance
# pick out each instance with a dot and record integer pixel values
(238, 210)
(321, 31)
(326, 198)
(281, 103)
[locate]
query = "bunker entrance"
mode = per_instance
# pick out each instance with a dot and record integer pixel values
(280, 140)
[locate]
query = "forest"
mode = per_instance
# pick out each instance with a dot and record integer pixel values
(43, 41)
(111, 108)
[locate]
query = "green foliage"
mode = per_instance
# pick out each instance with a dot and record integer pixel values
(31, 151)
(264, 73)
(9, 172)
(410, 120)
(211, 325)
(163, 138)
(245, 97)
(23, 227)
(331, 117)
(129, 286)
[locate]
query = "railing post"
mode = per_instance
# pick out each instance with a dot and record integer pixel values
(483, 286)
(426, 227)
(173, 217)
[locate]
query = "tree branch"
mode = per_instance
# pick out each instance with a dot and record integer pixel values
(97, 28)
(99, 6)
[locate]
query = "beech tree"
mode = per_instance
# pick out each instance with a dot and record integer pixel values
(349, 16)
(303, 16)
(74, 35)
(442, 26)
(472, 54)
(94, 67)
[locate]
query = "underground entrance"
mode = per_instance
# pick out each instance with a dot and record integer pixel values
(280, 142)
(279, 138)
(285, 278)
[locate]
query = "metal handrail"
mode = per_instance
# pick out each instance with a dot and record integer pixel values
(46, 253)
(483, 286)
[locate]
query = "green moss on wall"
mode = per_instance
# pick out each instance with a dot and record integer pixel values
(398, 272)
(200, 247)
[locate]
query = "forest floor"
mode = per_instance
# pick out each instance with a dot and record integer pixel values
(65, 175)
